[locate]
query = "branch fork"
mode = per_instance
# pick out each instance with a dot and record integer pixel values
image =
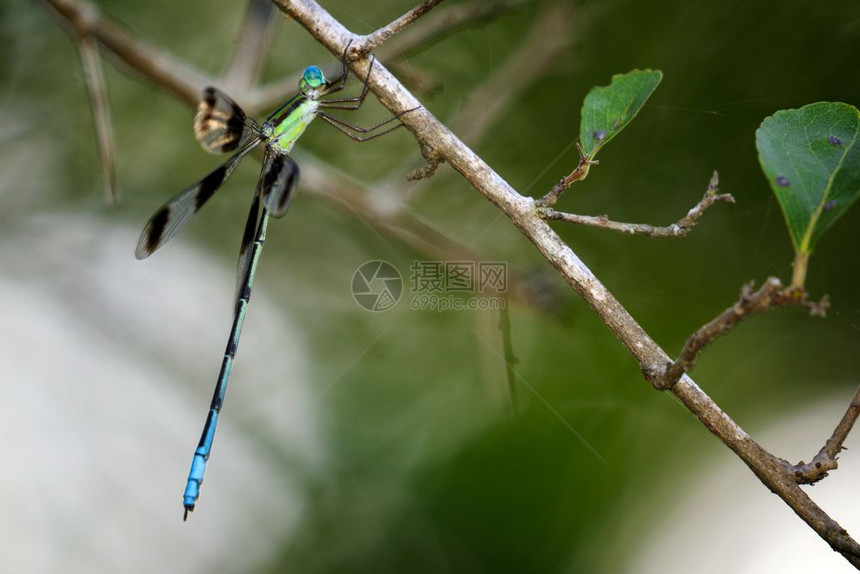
(826, 459)
(679, 229)
(771, 294)
(579, 173)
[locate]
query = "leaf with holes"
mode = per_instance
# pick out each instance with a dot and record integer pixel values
(812, 160)
(608, 109)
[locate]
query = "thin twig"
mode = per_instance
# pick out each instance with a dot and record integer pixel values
(100, 109)
(374, 40)
(508, 349)
(354, 197)
(446, 21)
(770, 294)
(274, 92)
(251, 48)
(83, 19)
(159, 67)
(579, 173)
(826, 459)
(432, 161)
(550, 36)
(523, 214)
(679, 229)
(434, 26)
(749, 303)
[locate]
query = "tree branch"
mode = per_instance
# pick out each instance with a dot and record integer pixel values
(82, 19)
(251, 47)
(160, 68)
(100, 109)
(435, 25)
(549, 37)
(551, 34)
(771, 294)
(826, 459)
(446, 21)
(579, 173)
(374, 40)
(438, 142)
(524, 215)
(679, 229)
(344, 192)
(510, 359)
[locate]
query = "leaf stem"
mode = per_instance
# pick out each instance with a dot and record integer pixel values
(798, 276)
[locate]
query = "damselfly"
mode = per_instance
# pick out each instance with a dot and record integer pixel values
(221, 127)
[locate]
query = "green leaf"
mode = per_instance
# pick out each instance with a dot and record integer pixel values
(608, 109)
(812, 160)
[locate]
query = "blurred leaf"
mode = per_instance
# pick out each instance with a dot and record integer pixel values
(813, 166)
(608, 109)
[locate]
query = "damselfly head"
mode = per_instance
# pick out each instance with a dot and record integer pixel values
(312, 80)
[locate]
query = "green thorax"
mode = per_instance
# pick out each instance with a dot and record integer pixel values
(296, 117)
(289, 122)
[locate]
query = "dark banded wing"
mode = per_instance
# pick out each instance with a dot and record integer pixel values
(278, 182)
(220, 125)
(176, 213)
(278, 178)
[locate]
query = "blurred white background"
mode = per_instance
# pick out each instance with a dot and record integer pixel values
(109, 368)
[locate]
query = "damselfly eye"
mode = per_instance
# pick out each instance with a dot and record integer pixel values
(313, 77)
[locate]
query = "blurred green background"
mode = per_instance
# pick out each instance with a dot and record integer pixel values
(422, 465)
